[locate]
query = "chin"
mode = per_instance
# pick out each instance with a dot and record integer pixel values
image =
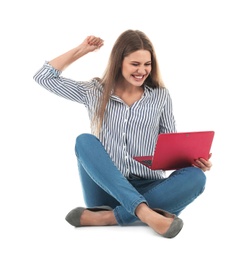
(138, 83)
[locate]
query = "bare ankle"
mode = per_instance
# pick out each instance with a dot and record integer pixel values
(143, 212)
(98, 218)
(153, 219)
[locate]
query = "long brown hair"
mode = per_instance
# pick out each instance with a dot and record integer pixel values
(128, 42)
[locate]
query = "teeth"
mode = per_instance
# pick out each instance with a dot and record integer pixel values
(139, 77)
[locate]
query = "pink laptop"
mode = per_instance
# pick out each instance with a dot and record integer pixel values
(178, 150)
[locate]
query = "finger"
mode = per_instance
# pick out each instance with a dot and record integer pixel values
(203, 164)
(95, 41)
(202, 168)
(194, 165)
(197, 164)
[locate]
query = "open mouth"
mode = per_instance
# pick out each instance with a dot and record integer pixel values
(138, 77)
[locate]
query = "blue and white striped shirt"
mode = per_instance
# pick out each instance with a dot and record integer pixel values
(127, 131)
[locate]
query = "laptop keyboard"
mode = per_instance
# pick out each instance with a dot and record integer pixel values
(147, 162)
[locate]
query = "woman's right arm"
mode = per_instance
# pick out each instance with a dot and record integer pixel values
(49, 75)
(91, 43)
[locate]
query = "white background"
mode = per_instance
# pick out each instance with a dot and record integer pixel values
(204, 51)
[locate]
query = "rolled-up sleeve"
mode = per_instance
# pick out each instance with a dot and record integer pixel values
(51, 79)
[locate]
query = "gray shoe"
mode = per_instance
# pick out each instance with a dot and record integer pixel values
(73, 217)
(175, 226)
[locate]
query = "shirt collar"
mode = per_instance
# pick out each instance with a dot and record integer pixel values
(147, 92)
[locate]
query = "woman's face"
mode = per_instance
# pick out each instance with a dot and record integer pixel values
(136, 67)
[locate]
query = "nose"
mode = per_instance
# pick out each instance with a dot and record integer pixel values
(141, 70)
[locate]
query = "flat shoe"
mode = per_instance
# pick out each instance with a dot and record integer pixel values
(73, 217)
(176, 225)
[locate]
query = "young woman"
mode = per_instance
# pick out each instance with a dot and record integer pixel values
(128, 107)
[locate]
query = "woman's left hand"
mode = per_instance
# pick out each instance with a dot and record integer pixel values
(203, 164)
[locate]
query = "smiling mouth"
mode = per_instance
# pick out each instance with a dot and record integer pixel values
(138, 77)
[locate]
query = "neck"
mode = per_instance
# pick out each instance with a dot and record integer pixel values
(127, 88)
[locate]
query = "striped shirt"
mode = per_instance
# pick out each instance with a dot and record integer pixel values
(127, 131)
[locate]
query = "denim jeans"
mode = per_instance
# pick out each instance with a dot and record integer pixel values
(103, 184)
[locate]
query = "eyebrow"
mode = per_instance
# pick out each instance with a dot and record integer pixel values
(140, 62)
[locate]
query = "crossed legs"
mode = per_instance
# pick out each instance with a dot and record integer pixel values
(103, 184)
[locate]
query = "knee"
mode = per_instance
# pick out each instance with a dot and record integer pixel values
(84, 141)
(85, 138)
(198, 178)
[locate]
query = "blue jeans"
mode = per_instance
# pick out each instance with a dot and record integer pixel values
(103, 184)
